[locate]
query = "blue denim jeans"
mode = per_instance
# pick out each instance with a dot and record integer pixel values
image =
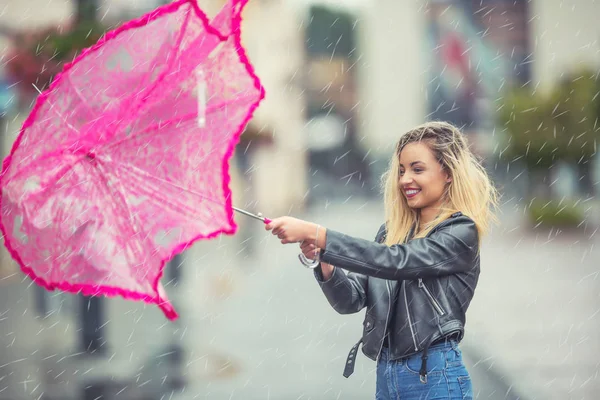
(447, 376)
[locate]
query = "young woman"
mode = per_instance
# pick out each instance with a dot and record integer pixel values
(419, 275)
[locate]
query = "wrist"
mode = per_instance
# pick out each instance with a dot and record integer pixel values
(317, 234)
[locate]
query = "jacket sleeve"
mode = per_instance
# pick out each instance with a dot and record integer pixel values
(450, 249)
(347, 293)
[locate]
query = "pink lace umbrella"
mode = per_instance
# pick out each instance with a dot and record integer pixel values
(123, 161)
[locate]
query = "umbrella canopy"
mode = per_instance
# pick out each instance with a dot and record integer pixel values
(123, 162)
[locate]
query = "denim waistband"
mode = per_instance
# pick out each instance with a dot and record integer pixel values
(442, 345)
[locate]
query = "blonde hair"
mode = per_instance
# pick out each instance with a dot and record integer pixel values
(470, 190)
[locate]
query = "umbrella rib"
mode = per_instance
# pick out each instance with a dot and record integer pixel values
(62, 117)
(166, 44)
(56, 177)
(78, 93)
(61, 217)
(150, 129)
(124, 204)
(174, 185)
(182, 208)
(31, 162)
(184, 118)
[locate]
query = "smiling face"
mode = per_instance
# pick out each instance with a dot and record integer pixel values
(422, 179)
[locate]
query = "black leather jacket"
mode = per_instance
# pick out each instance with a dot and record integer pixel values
(432, 280)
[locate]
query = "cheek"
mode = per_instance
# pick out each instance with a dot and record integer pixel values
(432, 186)
(440, 187)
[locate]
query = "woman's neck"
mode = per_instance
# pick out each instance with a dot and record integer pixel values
(427, 215)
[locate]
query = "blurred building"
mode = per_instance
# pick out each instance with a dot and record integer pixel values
(364, 84)
(345, 78)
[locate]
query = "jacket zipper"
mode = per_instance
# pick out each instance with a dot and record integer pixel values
(432, 299)
(387, 317)
(412, 332)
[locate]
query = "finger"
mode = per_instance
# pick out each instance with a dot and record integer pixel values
(309, 253)
(274, 224)
(312, 250)
(278, 232)
(307, 246)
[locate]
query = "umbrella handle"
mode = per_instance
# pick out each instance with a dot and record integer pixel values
(308, 263)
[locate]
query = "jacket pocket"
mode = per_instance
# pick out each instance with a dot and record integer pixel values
(434, 303)
(368, 324)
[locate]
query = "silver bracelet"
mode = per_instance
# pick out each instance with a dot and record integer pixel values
(312, 264)
(316, 242)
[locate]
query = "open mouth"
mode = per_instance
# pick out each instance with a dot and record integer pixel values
(410, 193)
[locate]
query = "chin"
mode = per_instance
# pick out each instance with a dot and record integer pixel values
(413, 205)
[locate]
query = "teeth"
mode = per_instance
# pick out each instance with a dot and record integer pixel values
(410, 192)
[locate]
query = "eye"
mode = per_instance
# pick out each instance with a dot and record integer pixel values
(401, 172)
(418, 170)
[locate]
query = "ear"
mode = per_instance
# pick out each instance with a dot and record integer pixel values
(448, 178)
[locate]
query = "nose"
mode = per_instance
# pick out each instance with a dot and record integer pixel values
(405, 179)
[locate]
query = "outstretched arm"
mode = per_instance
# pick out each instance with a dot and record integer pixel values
(450, 249)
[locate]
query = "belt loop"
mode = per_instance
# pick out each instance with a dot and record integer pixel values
(454, 343)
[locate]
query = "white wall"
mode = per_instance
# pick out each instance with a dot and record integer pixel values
(565, 34)
(16, 14)
(112, 9)
(275, 48)
(391, 79)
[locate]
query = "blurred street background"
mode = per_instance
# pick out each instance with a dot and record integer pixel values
(343, 79)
